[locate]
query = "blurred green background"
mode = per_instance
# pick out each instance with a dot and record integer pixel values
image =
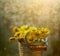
(38, 13)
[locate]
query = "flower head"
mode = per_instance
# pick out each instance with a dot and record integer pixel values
(44, 32)
(15, 29)
(30, 37)
(24, 27)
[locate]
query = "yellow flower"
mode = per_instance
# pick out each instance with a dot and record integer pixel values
(23, 34)
(30, 38)
(20, 32)
(24, 27)
(32, 29)
(11, 39)
(20, 35)
(16, 35)
(15, 29)
(44, 32)
(31, 35)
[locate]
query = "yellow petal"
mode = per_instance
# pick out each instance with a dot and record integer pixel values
(15, 29)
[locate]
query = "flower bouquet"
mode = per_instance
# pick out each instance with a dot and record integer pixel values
(31, 37)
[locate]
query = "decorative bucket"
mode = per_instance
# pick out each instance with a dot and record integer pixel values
(33, 50)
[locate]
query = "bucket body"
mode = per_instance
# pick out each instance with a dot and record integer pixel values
(25, 50)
